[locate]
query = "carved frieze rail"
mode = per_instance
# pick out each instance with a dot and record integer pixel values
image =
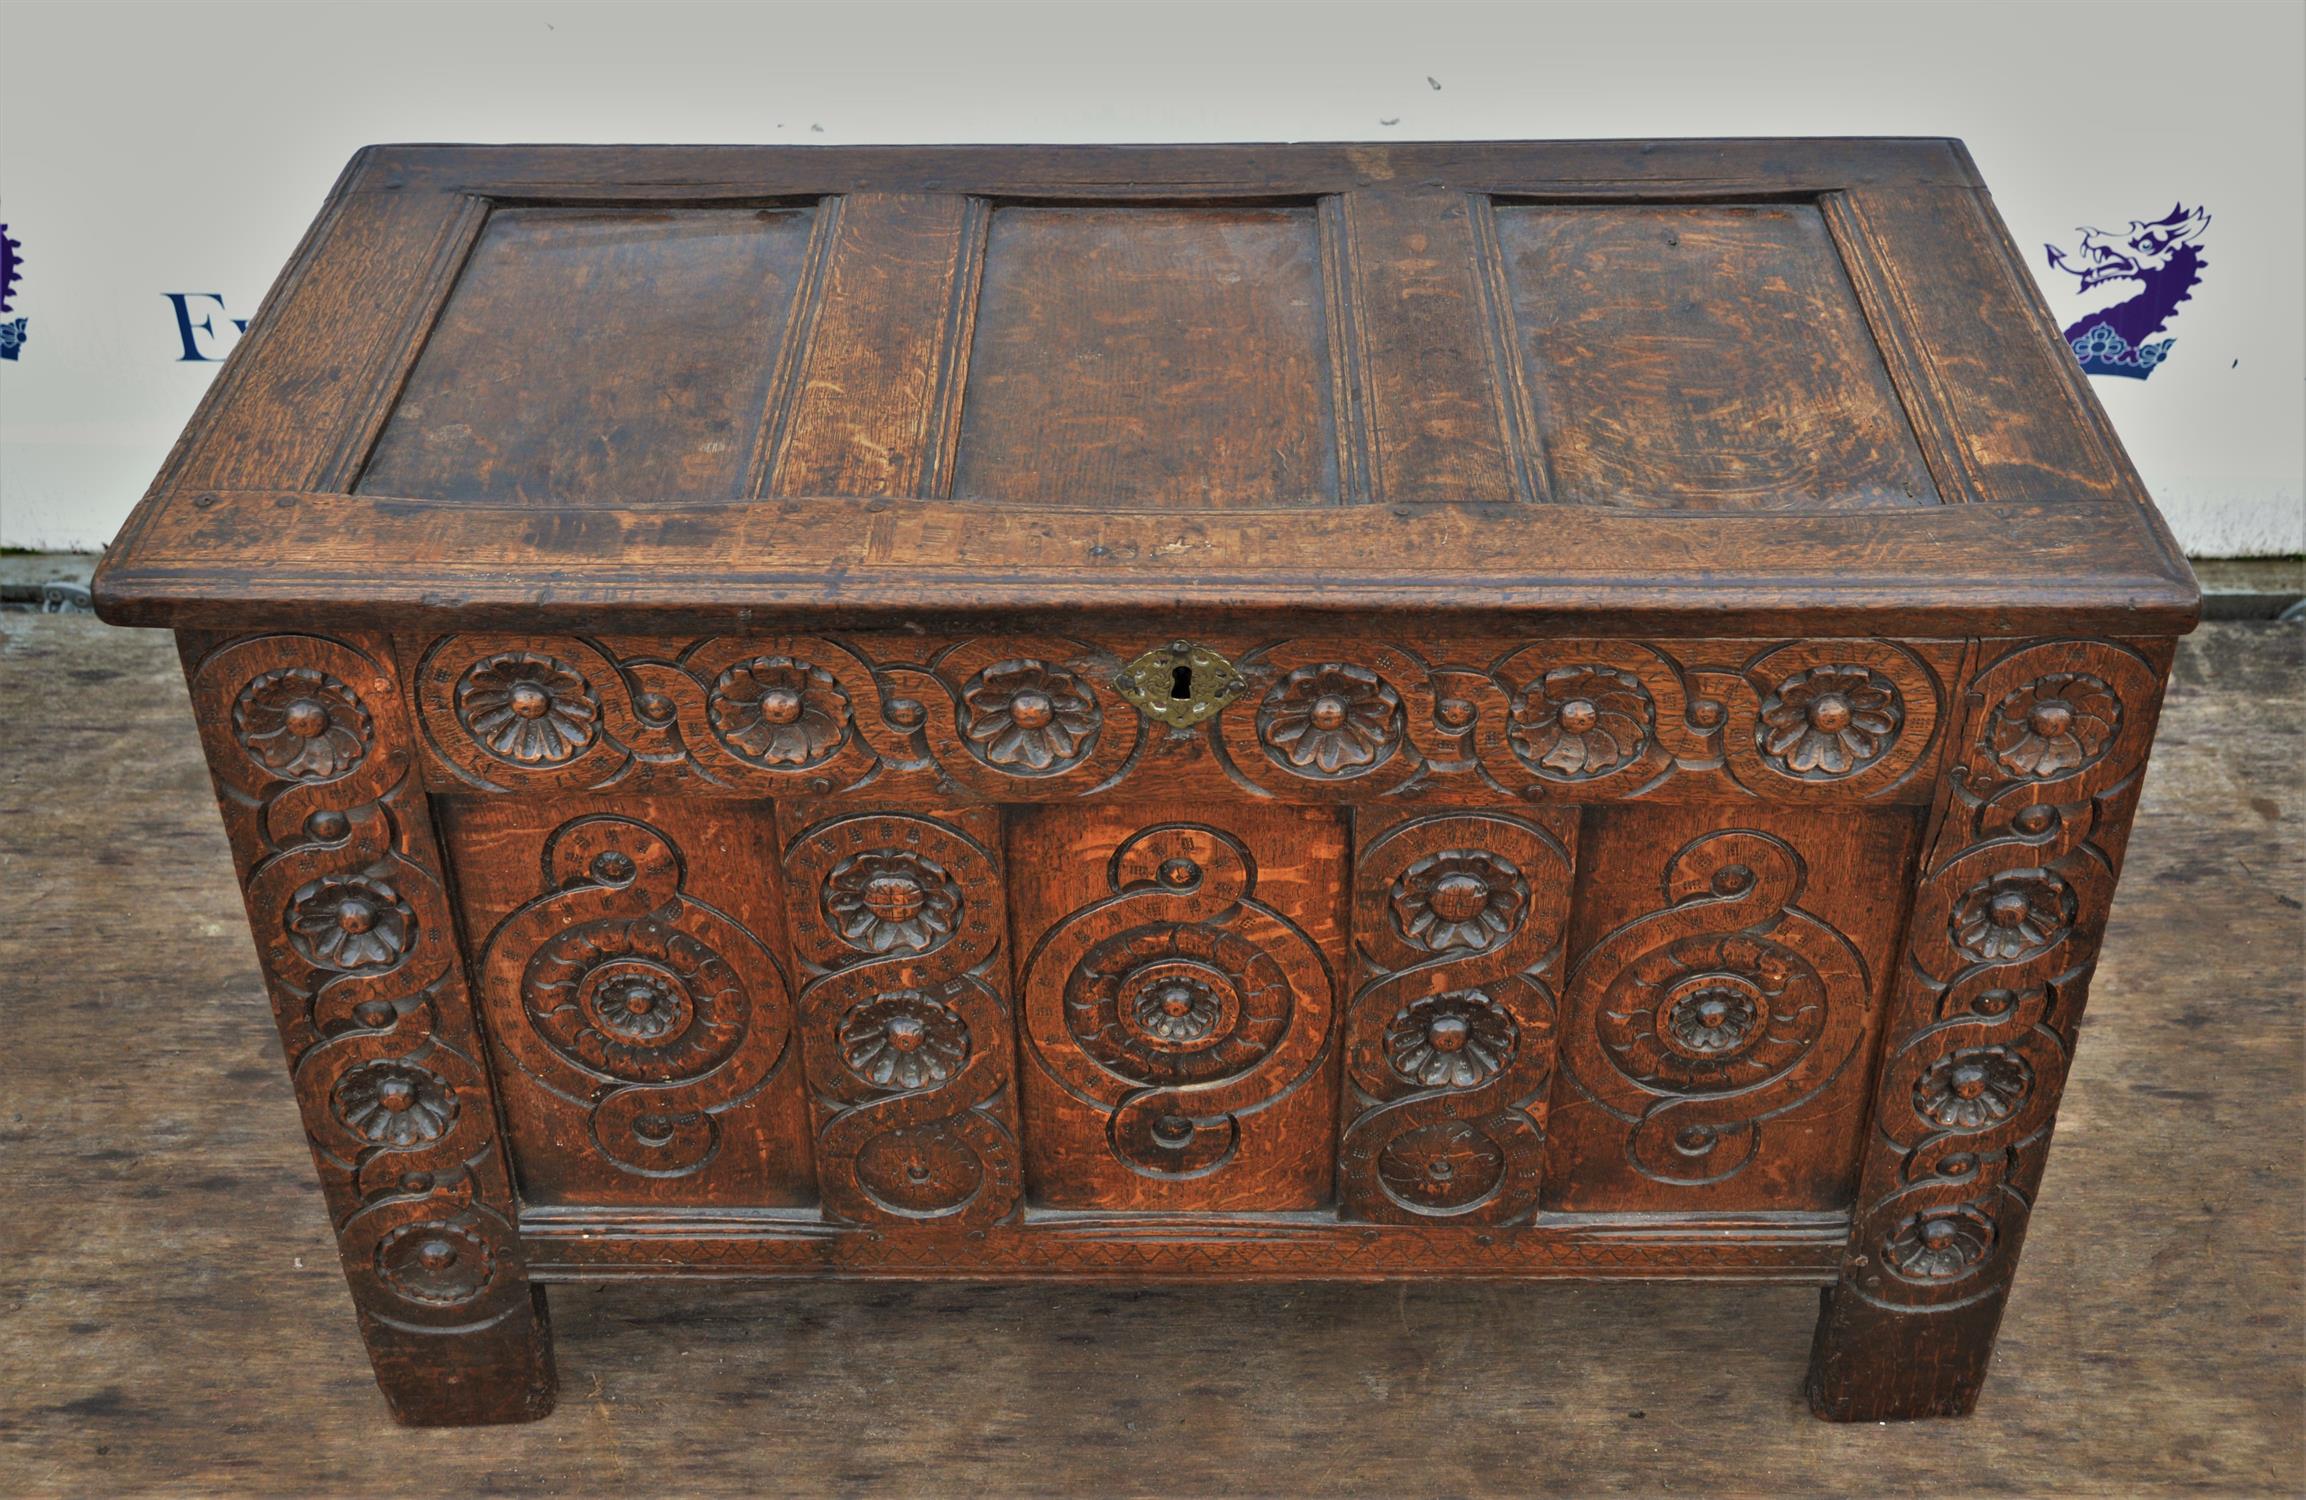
(1043, 718)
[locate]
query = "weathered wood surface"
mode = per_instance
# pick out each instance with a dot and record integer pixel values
(175, 1320)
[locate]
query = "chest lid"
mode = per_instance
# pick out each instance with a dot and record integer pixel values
(1676, 386)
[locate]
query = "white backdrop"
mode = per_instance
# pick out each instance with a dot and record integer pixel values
(182, 149)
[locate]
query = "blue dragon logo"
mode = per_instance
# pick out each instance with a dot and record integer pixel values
(2163, 258)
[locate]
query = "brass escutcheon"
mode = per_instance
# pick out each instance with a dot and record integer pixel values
(1180, 684)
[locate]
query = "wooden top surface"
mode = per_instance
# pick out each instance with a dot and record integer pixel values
(1574, 387)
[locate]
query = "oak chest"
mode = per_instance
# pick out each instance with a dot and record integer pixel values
(1249, 711)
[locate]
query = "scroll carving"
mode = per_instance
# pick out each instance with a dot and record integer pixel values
(1701, 1021)
(1179, 1006)
(2004, 934)
(990, 719)
(1458, 923)
(641, 1005)
(899, 923)
(311, 754)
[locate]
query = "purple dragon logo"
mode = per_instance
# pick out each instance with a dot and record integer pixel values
(2163, 259)
(12, 330)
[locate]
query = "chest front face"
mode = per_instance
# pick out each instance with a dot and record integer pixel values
(1247, 711)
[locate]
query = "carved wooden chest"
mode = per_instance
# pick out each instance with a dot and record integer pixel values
(1352, 711)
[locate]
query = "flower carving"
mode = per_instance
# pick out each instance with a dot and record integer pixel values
(888, 899)
(2016, 914)
(1330, 720)
(906, 1040)
(301, 724)
(1459, 898)
(777, 711)
(1576, 723)
(1973, 1088)
(1713, 1017)
(528, 708)
(1829, 721)
(1940, 1244)
(1178, 1009)
(1028, 716)
(1454, 1040)
(437, 1264)
(395, 1104)
(2054, 725)
(350, 922)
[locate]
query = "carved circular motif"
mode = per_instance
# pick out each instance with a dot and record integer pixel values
(1940, 1244)
(1440, 1167)
(1712, 1014)
(435, 1264)
(2016, 914)
(2054, 725)
(635, 999)
(919, 1169)
(301, 724)
(779, 711)
(1459, 899)
(350, 922)
(528, 708)
(1455, 1040)
(394, 1103)
(1173, 1003)
(1330, 720)
(1029, 717)
(1709, 1017)
(1177, 1005)
(1973, 1088)
(1829, 721)
(1576, 723)
(906, 1040)
(888, 899)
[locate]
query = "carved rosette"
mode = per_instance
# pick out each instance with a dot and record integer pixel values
(1180, 1008)
(891, 900)
(392, 1103)
(351, 922)
(2006, 920)
(779, 711)
(907, 1040)
(618, 992)
(1330, 720)
(1700, 1022)
(1459, 898)
(436, 1264)
(527, 708)
(907, 1047)
(1458, 922)
(1829, 721)
(1578, 722)
(301, 724)
(1029, 718)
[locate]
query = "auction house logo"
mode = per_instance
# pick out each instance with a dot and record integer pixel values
(12, 333)
(2164, 261)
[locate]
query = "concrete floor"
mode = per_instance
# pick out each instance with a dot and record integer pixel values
(172, 1319)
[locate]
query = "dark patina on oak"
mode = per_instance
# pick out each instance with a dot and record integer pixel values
(1664, 642)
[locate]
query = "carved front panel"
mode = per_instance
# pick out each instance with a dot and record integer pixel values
(1179, 1003)
(643, 1024)
(1458, 921)
(1729, 975)
(899, 923)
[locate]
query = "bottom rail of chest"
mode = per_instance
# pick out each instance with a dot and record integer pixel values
(565, 1244)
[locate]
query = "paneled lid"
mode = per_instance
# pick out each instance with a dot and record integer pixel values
(1667, 386)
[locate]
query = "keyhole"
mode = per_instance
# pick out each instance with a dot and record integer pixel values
(1181, 682)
